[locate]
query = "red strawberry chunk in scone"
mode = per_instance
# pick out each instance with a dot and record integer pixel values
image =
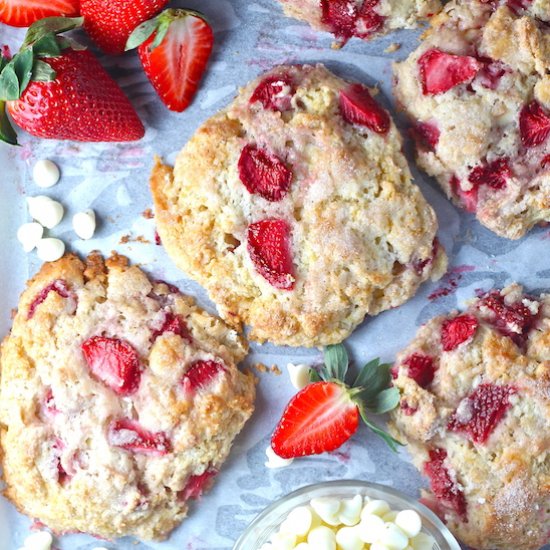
(467, 198)
(511, 319)
(114, 362)
(59, 286)
(479, 414)
(173, 324)
(197, 484)
(494, 174)
(275, 92)
(426, 135)
(368, 20)
(534, 124)
(457, 331)
(264, 174)
(440, 71)
(201, 374)
(269, 249)
(345, 20)
(130, 435)
(357, 106)
(442, 484)
(420, 368)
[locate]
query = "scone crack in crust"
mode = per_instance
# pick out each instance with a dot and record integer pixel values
(477, 92)
(365, 19)
(119, 399)
(301, 263)
(475, 411)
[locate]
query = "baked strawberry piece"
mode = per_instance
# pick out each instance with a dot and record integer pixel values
(474, 407)
(294, 208)
(364, 19)
(130, 396)
(476, 93)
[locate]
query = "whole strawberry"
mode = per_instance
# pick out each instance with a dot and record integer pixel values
(110, 22)
(174, 49)
(54, 89)
(22, 13)
(325, 414)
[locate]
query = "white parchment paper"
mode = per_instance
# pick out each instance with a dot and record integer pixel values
(251, 36)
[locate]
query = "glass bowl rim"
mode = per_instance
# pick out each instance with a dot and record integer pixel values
(350, 484)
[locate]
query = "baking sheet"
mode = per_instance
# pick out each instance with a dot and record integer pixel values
(251, 36)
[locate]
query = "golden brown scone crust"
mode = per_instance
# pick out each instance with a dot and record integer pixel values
(362, 234)
(477, 124)
(505, 479)
(60, 463)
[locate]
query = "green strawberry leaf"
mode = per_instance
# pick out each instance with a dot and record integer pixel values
(48, 25)
(7, 133)
(368, 373)
(376, 382)
(314, 376)
(336, 361)
(22, 64)
(385, 401)
(42, 72)
(141, 33)
(390, 441)
(9, 84)
(47, 46)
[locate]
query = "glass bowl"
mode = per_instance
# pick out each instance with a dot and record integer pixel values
(268, 521)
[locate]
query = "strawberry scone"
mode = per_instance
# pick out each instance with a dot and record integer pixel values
(478, 93)
(119, 400)
(294, 207)
(475, 410)
(365, 19)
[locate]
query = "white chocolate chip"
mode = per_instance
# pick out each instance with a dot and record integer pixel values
(29, 234)
(322, 538)
(410, 522)
(370, 528)
(41, 540)
(303, 546)
(348, 538)
(45, 173)
(379, 546)
(377, 507)
(50, 249)
(422, 542)
(45, 211)
(299, 521)
(390, 517)
(393, 537)
(275, 461)
(327, 509)
(84, 224)
(299, 375)
(283, 541)
(350, 510)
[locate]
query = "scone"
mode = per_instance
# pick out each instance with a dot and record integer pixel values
(478, 93)
(294, 207)
(475, 410)
(364, 19)
(119, 400)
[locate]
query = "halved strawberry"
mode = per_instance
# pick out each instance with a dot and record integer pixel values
(421, 368)
(534, 124)
(110, 22)
(441, 71)
(442, 484)
(357, 106)
(318, 419)
(486, 407)
(325, 414)
(197, 484)
(457, 331)
(174, 324)
(174, 49)
(270, 251)
(275, 92)
(130, 435)
(23, 13)
(114, 362)
(59, 286)
(263, 173)
(495, 174)
(200, 374)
